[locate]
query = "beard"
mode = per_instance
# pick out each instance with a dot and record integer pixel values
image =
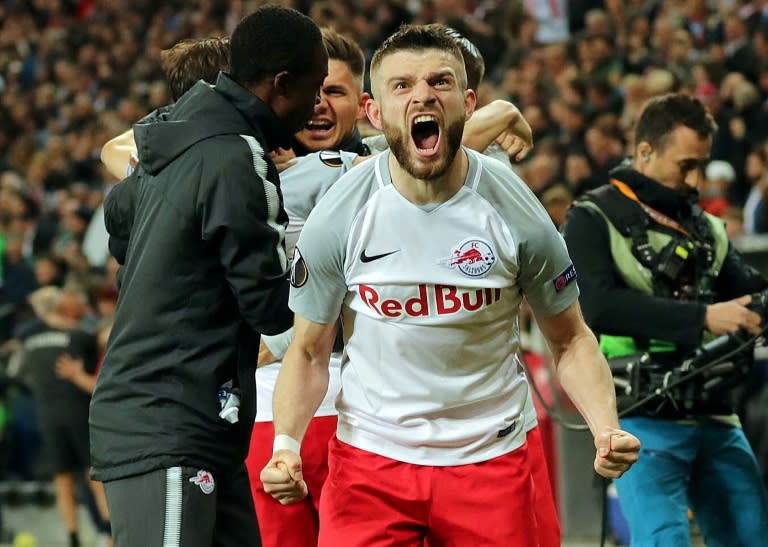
(399, 144)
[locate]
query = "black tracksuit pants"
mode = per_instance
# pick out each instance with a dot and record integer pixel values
(183, 507)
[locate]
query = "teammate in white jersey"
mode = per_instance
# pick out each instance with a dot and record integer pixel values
(308, 178)
(425, 253)
(333, 126)
(297, 524)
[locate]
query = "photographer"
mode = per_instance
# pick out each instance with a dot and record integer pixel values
(658, 275)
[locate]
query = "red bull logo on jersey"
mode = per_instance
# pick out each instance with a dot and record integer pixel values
(204, 480)
(431, 300)
(472, 257)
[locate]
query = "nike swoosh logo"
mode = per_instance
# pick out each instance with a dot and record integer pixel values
(366, 258)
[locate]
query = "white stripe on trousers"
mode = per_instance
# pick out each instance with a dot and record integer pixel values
(173, 499)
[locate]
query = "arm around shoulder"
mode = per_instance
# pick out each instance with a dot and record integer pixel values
(501, 122)
(119, 154)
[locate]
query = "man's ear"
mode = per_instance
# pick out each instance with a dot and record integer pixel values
(373, 112)
(470, 102)
(364, 98)
(643, 151)
(282, 82)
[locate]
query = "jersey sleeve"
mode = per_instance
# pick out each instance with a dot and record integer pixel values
(546, 274)
(318, 285)
(310, 177)
(305, 182)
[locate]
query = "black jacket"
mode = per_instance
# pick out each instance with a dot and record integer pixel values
(205, 273)
(610, 307)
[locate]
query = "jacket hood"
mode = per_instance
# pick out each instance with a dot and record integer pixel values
(202, 112)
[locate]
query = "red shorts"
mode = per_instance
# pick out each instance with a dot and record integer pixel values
(547, 521)
(294, 525)
(373, 501)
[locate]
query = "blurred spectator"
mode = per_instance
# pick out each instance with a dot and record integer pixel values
(638, 54)
(597, 23)
(739, 54)
(50, 270)
(679, 55)
(703, 30)
(734, 222)
(756, 206)
(540, 172)
(556, 200)
(718, 176)
(59, 364)
(659, 81)
(551, 20)
(604, 149)
(578, 174)
(17, 281)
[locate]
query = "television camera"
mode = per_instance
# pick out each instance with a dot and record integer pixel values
(700, 384)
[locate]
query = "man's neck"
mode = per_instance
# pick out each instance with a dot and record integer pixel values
(425, 192)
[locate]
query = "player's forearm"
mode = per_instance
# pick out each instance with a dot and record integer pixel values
(117, 154)
(489, 122)
(585, 376)
(301, 387)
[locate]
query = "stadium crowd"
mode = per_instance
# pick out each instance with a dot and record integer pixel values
(74, 74)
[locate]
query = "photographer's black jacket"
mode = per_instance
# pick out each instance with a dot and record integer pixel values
(205, 273)
(610, 307)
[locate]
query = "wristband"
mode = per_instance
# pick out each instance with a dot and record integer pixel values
(286, 442)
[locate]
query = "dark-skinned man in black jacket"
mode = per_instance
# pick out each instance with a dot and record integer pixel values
(204, 276)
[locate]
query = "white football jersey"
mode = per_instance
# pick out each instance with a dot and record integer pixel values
(305, 182)
(302, 185)
(429, 298)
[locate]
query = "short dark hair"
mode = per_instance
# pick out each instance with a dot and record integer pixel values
(195, 59)
(345, 49)
(270, 40)
(416, 37)
(473, 59)
(662, 115)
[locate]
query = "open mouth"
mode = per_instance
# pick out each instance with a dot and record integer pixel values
(319, 126)
(425, 132)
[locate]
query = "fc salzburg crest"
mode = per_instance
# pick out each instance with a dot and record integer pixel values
(473, 257)
(204, 480)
